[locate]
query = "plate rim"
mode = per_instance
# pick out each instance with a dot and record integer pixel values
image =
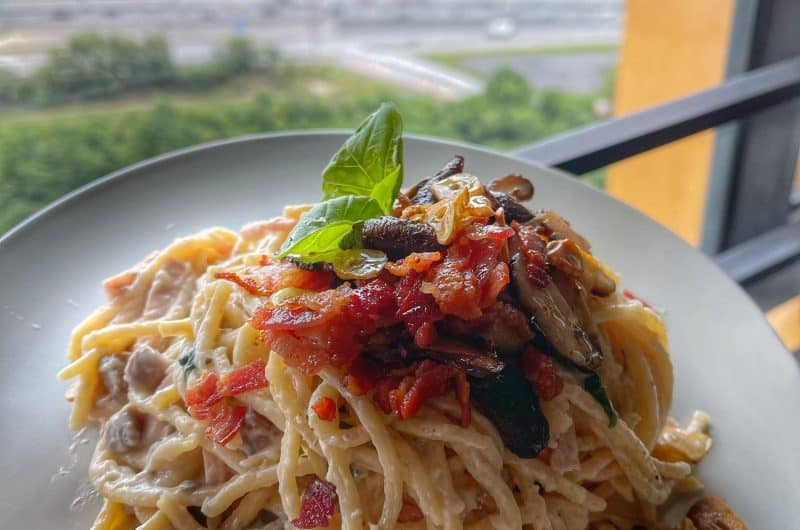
(129, 171)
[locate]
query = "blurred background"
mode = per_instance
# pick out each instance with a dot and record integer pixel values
(90, 86)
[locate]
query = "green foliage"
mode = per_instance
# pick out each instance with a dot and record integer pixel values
(44, 155)
(508, 87)
(91, 65)
(236, 56)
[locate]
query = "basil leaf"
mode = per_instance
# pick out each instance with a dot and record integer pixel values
(186, 361)
(595, 388)
(321, 231)
(371, 161)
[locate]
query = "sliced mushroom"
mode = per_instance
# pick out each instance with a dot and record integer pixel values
(514, 211)
(552, 226)
(713, 513)
(421, 193)
(507, 399)
(145, 369)
(123, 431)
(553, 315)
(568, 257)
(515, 186)
(398, 238)
(475, 361)
(509, 329)
(258, 434)
(575, 297)
(112, 370)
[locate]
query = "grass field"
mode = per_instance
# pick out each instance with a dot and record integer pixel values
(456, 60)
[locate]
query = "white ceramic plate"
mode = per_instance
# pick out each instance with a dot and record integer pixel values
(727, 360)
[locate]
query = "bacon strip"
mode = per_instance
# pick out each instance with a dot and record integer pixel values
(318, 504)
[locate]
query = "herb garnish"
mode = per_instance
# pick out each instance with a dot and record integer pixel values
(595, 388)
(360, 182)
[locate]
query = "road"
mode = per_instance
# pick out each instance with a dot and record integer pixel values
(389, 52)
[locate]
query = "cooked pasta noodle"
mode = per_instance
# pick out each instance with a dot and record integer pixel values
(158, 466)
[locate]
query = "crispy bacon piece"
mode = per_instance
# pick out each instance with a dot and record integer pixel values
(202, 395)
(416, 309)
(539, 370)
(318, 504)
(471, 276)
(248, 284)
(243, 379)
(224, 422)
(328, 328)
(414, 262)
(361, 376)
(405, 395)
(206, 399)
(535, 250)
(273, 275)
(325, 408)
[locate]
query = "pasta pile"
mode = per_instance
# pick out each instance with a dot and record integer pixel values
(426, 472)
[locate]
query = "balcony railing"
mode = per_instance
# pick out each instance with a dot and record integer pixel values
(746, 260)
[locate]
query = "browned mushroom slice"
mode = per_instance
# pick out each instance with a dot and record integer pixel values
(552, 226)
(398, 238)
(515, 186)
(568, 257)
(554, 317)
(514, 211)
(575, 296)
(421, 193)
(475, 361)
(713, 513)
(509, 329)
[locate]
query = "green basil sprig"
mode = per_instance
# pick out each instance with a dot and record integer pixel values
(594, 386)
(321, 232)
(360, 182)
(370, 162)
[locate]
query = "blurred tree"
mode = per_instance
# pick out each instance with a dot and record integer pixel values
(238, 55)
(507, 87)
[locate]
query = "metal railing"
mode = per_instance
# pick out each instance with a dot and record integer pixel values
(598, 145)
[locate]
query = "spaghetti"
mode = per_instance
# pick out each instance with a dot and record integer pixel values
(237, 390)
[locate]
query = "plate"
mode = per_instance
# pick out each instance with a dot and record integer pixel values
(727, 360)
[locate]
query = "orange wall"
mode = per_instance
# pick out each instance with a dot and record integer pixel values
(670, 49)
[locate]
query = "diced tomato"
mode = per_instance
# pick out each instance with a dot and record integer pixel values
(318, 505)
(414, 262)
(224, 422)
(541, 372)
(243, 379)
(325, 408)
